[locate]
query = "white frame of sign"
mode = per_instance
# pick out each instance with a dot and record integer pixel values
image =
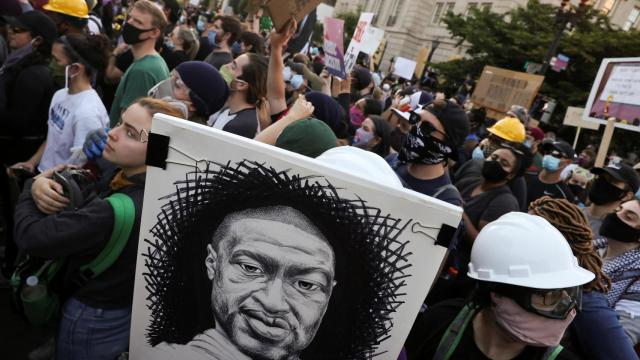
(594, 92)
(185, 147)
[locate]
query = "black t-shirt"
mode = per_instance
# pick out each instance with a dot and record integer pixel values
(244, 122)
(219, 58)
(430, 326)
(487, 206)
(124, 60)
(537, 189)
(518, 186)
(173, 58)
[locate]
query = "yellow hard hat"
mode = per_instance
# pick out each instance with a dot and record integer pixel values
(510, 129)
(75, 8)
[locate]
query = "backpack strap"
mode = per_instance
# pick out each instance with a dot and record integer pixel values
(124, 216)
(552, 352)
(454, 332)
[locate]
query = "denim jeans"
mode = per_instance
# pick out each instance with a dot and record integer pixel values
(89, 333)
(598, 331)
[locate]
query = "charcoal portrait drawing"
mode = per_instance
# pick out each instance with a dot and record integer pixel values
(250, 262)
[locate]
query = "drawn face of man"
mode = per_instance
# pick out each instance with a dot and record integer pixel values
(271, 285)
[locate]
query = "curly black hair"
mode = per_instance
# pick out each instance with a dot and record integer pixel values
(371, 261)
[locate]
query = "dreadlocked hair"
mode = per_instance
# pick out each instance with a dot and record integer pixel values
(573, 224)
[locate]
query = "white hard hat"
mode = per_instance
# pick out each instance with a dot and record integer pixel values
(362, 163)
(525, 250)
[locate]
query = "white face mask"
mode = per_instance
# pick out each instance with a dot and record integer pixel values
(67, 77)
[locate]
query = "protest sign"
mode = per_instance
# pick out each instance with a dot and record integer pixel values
(573, 117)
(616, 93)
(421, 61)
(333, 47)
(351, 55)
(498, 89)
(251, 251)
(281, 11)
(404, 68)
(372, 39)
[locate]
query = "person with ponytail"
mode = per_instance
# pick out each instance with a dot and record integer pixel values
(77, 108)
(245, 112)
(596, 331)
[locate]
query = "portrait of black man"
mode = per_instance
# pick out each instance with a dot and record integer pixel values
(248, 262)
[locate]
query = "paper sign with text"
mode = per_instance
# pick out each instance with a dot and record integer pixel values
(498, 89)
(372, 39)
(333, 47)
(355, 45)
(573, 117)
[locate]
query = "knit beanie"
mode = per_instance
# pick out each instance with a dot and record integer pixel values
(310, 137)
(209, 91)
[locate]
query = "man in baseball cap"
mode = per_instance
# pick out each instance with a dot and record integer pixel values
(557, 155)
(36, 23)
(613, 185)
(437, 130)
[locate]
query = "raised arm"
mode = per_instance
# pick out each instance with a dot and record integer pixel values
(275, 79)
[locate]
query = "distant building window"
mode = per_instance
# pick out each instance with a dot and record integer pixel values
(607, 6)
(441, 10)
(471, 5)
(486, 6)
(632, 19)
(375, 9)
(396, 8)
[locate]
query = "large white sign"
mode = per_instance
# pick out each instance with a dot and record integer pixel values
(351, 55)
(623, 85)
(372, 39)
(250, 251)
(404, 67)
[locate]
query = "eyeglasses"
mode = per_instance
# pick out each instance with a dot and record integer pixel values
(550, 303)
(17, 30)
(133, 133)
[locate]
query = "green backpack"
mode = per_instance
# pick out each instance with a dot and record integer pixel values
(32, 293)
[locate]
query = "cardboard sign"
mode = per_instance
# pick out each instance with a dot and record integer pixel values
(250, 251)
(404, 68)
(281, 11)
(333, 47)
(498, 89)
(616, 94)
(377, 56)
(573, 117)
(372, 39)
(351, 55)
(421, 61)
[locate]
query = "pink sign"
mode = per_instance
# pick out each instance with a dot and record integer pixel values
(333, 46)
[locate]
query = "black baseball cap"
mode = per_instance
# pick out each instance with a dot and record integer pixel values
(37, 23)
(621, 172)
(453, 118)
(561, 146)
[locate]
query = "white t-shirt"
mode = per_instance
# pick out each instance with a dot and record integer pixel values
(71, 117)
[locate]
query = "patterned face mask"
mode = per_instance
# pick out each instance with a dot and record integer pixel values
(422, 148)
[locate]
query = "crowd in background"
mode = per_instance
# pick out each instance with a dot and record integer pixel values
(79, 85)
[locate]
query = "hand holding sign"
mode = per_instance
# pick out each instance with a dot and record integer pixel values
(281, 11)
(279, 39)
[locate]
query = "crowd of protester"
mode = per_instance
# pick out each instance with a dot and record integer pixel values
(546, 260)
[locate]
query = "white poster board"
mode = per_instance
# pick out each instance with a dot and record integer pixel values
(351, 55)
(207, 237)
(323, 11)
(372, 39)
(616, 93)
(573, 117)
(404, 68)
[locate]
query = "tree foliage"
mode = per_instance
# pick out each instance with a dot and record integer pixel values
(524, 34)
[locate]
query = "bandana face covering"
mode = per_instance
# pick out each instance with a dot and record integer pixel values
(531, 329)
(422, 148)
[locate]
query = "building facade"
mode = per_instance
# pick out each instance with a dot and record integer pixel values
(414, 24)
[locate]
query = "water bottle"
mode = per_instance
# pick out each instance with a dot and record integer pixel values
(34, 290)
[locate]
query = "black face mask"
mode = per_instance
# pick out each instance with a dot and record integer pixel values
(493, 172)
(614, 228)
(602, 192)
(131, 34)
(577, 190)
(422, 148)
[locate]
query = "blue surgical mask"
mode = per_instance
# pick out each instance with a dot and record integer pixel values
(527, 143)
(211, 36)
(200, 26)
(296, 81)
(550, 163)
(236, 48)
(477, 154)
(286, 73)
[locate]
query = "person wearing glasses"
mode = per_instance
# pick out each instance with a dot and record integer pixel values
(96, 316)
(436, 131)
(549, 182)
(528, 292)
